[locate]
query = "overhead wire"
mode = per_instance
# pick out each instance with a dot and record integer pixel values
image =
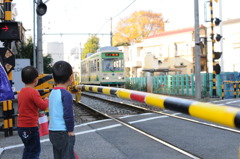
(117, 15)
(124, 9)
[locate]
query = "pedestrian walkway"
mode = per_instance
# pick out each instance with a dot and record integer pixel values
(103, 139)
(107, 139)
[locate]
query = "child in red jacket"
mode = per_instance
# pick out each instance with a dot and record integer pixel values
(29, 104)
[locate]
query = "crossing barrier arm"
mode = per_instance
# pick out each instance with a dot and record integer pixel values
(224, 115)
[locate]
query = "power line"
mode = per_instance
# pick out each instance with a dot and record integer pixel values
(124, 9)
(116, 15)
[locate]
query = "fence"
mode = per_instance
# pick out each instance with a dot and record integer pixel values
(183, 84)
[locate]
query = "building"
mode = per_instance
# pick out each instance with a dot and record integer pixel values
(56, 50)
(171, 52)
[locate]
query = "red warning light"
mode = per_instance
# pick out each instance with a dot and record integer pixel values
(5, 28)
(10, 31)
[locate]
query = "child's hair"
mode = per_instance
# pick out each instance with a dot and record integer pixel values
(29, 73)
(62, 70)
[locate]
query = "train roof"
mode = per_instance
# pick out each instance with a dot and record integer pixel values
(102, 50)
(107, 48)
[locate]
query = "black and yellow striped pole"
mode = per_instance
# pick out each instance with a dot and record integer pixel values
(223, 95)
(10, 109)
(8, 10)
(8, 17)
(213, 55)
(5, 118)
(235, 90)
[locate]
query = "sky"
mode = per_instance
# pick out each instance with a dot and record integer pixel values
(93, 16)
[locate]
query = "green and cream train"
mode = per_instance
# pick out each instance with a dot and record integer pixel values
(105, 67)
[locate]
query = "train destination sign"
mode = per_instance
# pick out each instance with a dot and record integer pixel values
(112, 54)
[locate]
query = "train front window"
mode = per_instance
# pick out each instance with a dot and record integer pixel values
(113, 64)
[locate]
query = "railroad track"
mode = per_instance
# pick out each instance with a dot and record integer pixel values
(112, 101)
(137, 109)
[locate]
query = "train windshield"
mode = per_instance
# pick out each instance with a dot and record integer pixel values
(112, 64)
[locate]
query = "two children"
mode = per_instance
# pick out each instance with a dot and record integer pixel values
(61, 123)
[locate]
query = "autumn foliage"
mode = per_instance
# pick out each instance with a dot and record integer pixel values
(138, 26)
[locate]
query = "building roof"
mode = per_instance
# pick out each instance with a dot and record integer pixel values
(172, 32)
(165, 33)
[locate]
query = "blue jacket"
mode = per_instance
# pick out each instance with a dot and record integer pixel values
(61, 110)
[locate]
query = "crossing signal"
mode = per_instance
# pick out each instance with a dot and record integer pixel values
(218, 37)
(41, 8)
(10, 31)
(217, 55)
(217, 68)
(217, 21)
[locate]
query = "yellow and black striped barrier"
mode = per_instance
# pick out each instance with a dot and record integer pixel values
(236, 88)
(224, 115)
(45, 81)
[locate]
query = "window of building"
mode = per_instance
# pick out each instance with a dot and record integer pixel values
(181, 48)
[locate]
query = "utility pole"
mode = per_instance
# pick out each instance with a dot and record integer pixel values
(39, 44)
(34, 35)
(198, 88)
(41, 10)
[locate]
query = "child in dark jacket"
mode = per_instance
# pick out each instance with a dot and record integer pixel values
(29, 104)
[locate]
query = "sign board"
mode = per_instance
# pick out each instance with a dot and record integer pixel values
(16, 73)
(9, 31)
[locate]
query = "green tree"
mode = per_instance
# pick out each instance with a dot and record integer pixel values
(138, 26)
(25, 50)
(91, 46)
(47, 67)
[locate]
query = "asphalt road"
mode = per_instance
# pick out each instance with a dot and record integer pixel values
(107, 139)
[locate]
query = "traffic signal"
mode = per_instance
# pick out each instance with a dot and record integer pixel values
(7, 58)
(9, 31)
(217, 55)
(41, 8)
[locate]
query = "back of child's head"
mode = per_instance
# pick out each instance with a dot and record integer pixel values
(62, 70)
(29, 74)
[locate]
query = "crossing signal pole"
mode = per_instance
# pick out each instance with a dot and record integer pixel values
(8, 30)
(215, 55)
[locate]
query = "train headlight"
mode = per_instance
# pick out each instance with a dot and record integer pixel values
(120, 78)
(107, 78)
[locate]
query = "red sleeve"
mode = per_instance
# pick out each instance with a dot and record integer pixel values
(42, 104)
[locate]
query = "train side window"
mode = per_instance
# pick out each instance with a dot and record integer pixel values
(95, 65)
(84, 68)
(98, 65)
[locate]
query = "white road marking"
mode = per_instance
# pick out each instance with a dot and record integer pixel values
(93, 130)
